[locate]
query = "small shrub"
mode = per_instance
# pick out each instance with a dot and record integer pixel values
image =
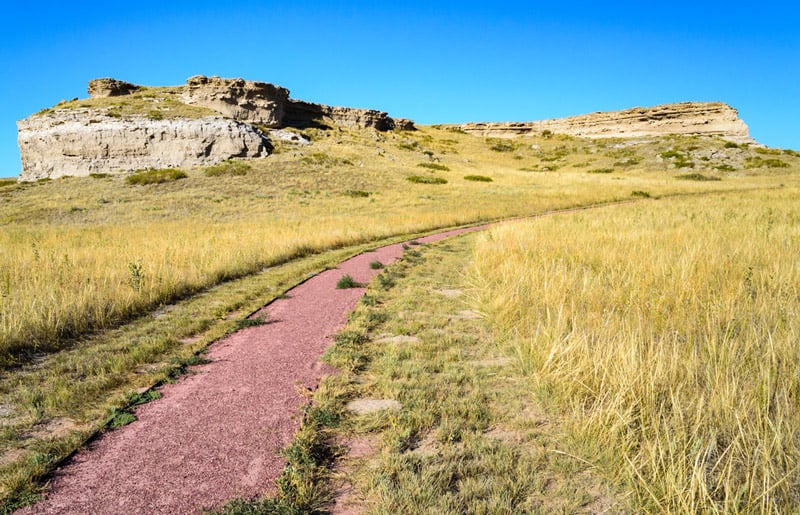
(641, 194)
(419, 179)
(477, 178)
(669, 154)
(229, 167)
(434, 166)
(792, 153)
(697, 177)
(408, 145)
(346, 281)
(322, 159)
(680, 163)
(601, 170)
(730, 144)
(155, 115)
(547, 134)
(99, 175)
(155, 176)
(376, 265)
(357, 193)
(725, 168)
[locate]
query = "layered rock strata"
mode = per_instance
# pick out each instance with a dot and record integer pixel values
(80, 142)
(703, 118)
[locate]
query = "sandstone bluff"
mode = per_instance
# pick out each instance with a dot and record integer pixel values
(124, 127)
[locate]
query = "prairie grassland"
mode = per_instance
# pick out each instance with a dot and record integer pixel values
(666, 334)
(81, 254)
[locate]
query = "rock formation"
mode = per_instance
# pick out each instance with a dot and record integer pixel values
(244, 100)
(108, 87)
(706, 118)
(78, 142)
(70, 140)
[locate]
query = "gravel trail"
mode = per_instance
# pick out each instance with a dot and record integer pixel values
(217, 433)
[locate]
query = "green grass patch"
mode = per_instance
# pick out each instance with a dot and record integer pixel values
(421, 179)
(640, 194)
(7, 182)
(99, 175)
(434, 166)
(376, 265)
(156, 176)
(230, 167)
(601, 170)
(478, 178)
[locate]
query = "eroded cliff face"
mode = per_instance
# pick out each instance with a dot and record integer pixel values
(78, 142)
(704, 118)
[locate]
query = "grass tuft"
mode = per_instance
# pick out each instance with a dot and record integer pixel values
(346, 281)
(697, 177)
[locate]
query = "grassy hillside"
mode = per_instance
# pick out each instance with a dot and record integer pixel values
(85, 261)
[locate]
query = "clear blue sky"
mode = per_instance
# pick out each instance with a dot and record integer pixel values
(427, 60)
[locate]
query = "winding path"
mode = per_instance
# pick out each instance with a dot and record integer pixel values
(217, 433)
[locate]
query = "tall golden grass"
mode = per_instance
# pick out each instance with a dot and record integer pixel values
(668, 335)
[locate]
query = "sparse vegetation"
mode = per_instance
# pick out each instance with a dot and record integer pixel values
(502, 145)
(640, 194)
(759, 162)
(601, 170)
(155, 176)
(7, 182)
(99, 175)
(357, 193)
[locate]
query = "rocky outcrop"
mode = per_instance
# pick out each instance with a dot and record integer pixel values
(306, 114)
(78, 142)
(270, 105)
(704, 118)
(244, 100)
(109, 87)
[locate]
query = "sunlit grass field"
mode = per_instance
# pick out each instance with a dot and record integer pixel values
(82, 254)
(666, 334)
(85, 262)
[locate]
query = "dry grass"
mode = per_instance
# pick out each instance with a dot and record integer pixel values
(667, 332)
(82, 254)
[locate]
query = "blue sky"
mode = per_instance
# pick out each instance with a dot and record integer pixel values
(431, 61)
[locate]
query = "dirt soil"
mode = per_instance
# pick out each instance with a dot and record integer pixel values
(217, 433)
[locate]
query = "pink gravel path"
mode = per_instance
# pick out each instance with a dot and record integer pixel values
(217, 433)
